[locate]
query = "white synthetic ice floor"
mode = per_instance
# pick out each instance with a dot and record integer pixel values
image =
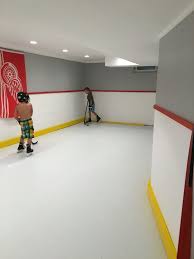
(81, 195)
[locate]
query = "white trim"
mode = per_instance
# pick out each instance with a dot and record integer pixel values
(179, 19)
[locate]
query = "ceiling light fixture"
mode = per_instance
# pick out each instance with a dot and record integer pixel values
(86, 56)
(65, 50)
(33, 42)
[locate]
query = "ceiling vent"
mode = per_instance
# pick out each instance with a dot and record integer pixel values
(145, 69)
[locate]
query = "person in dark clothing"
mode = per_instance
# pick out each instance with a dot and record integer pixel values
(91, 104)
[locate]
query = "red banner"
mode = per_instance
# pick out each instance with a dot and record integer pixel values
(12, 81)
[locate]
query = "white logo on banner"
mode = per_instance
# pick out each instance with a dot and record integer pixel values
(10, 82)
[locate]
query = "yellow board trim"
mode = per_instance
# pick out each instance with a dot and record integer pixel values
(161, 224)
(15, 140)
(124, 123)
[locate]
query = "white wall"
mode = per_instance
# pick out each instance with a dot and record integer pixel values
(129, 107)
(49, 110)
(56, 108)
(169, 161)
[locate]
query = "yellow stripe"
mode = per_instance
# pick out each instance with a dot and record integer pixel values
(161, 224)
(15, 140)
(123, 123)
(58, 127)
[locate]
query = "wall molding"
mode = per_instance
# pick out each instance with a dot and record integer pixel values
(179, 19)
(185, 237)
(126, 123)
(95, 90)
(161, 224)
(15, 140)
(184, 242)
(56, 92)
(175, 117)
(124, 91)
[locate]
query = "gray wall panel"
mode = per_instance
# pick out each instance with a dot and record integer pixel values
(175, 86)
(99, 77)
(52, 74)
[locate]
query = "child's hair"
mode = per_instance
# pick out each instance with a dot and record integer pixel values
(86, 89)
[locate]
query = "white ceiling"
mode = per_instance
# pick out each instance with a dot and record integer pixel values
(120, 28)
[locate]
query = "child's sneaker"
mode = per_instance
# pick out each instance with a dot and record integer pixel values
(21, 147)
(29, 150)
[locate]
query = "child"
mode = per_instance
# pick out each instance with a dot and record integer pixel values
(23, 114)
(91, 105)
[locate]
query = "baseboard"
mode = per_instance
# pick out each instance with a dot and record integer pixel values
(161, 224)
(12, 141)
(124, 123)
(58, 127)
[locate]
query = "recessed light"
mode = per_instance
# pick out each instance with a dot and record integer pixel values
(33, 42)
(86, 56)
(65, 50)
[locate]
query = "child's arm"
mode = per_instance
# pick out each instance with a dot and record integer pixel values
(31, 110)
(16, 115)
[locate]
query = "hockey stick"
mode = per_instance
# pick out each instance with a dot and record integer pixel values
(34, 143)
(85, 123)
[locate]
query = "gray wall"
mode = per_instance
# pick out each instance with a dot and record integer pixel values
(175, 87)
(99, 77)
(52, 74)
